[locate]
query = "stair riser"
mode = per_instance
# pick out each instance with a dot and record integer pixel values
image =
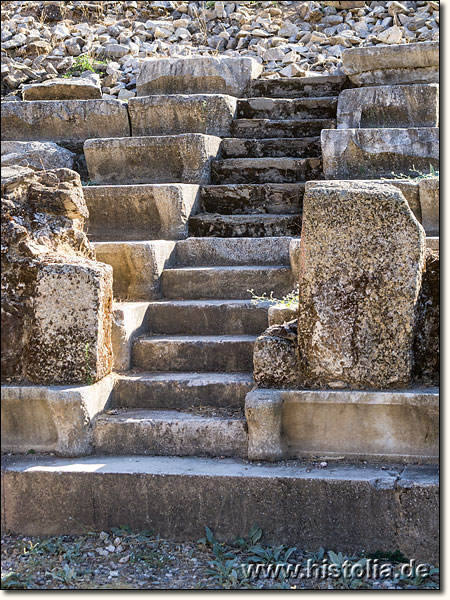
(182, 438)
(289, 225)
(297, 87)
(260, 129)
(207, 320)
(253, 199)
(217, 356)
(141, 393)
(274, 148)
(226, 284)
(265, 108)
(291, 172)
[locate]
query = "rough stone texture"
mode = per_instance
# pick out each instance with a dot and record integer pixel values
(389, 106)
(140, 212)
(278, 315)
(64, 121)
(137, 266)
(247, 226)
(429, 204)
(398, 508)
(352, 425)
(75, 88)
(362, 256)
(374, 153)
(426, 342)
(197, 75)
(390, 65)
(51, 418)
(174, 114)
(56, 299)
(276, 361)
(36, 155)
(169, 159)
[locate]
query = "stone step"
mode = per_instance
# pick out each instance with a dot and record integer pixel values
(207, 317)
(287, 108)
(265, 170)
(258, 198)
(210, 224)
(181, 158)
(181, 390)
(395, 507)
(299, 87)
(204, 353)
(140, 212)
(271, 147)
(169, 433)
(226, 282)
(266, 128)
(209, 252)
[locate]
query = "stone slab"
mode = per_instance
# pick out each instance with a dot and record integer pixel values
(169, 159)
(375, 153)
(137, 266)
(197, 75)
(176, 497)
(129, 322)
(75, 88)
(52, 418)
(210, 114)
(347, 425)
(36, 155)
(429, 204)
(361, 260)
(389, 106)
(140, 212)
(282, 314)
(390, 65)
(64, 121)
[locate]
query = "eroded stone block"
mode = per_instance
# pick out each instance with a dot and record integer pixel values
(75, 88)
(429, 204)
(36, 155)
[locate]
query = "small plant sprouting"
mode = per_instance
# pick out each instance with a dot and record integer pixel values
(84, 62)
(288, 301)
(416, 174)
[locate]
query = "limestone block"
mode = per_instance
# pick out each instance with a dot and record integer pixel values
(173, 114)
(75, 88)
(374, 153)
(389, 106)
(36, 155)
(390, 65)
(263, 414)
(275, 356)
(140, 212)
(197, 75)
(169, 159)
(278, 315)
(129, 321)
(429, 203)
(137, 266)
(64, 121)
(361, 260)
(52, 418)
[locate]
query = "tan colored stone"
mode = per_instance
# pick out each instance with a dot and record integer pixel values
(174, 114)
(278, 315)
(374, 153)
(429, 203)
(197, 75)
(169, 159)
(389, 106)
(361, 261)
(36, 155)
(76, 88)
(275, 356)
(129, 321)
(64, 121)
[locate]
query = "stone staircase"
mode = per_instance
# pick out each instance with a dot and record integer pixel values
(192, 368)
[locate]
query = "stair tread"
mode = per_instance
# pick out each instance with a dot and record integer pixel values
(245, 216)
(197, 338)
(143, 415)
(192, 376)
(231, 268)
(301, 100)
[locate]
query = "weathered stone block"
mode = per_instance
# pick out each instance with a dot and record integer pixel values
(129, 321)
(76, 88)
(391, 65)
(169, 159)
(140, 212)
(56, 300)
(64, 121)
(174, 114)
(389, 106)
(36, 155)
(278, 315)
(361, 260)
(374, 153)
(197, 75)
(52, 418)
(429, 204)
(275, 356)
